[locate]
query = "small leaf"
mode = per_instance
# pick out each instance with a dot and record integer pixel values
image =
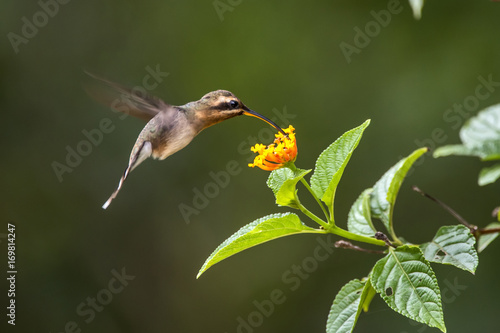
(486, 151)
(347, 306)
(278, 177)
(484, 127)
(368, 293)
(283, 182)
(453, 245)
(449, 150)
(489, 175)
(416, 6)
(407, 283)
(331, 163)
(387, 187)
(486, 239)
(359, 219)
(259, 231)
(480, 136)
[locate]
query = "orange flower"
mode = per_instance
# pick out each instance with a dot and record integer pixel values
(282, 151)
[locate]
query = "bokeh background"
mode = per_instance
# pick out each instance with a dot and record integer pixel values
(275, 56)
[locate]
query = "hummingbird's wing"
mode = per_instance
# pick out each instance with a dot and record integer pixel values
(138, 104)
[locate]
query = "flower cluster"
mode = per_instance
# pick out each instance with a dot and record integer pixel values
(282, 151)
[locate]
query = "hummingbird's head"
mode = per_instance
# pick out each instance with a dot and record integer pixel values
(220, 105)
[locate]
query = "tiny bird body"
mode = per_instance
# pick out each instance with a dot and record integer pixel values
(169, 128)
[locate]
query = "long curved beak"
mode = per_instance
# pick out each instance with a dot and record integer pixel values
(248, 112)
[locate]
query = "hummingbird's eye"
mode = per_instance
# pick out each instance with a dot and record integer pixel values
(234, 104)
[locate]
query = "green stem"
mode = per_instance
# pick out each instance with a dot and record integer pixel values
(395, 238)
(349, 235)
(317, 200)
(339, 231)
(313, 217)
(306, 184)
(330, 227)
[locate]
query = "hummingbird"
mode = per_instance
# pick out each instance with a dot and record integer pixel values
(170, 128)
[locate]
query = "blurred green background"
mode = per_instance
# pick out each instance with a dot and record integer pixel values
(274, 56)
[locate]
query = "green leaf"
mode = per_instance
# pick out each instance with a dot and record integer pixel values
(453, 245)
(486, 151)
(368, 293)
(278, 177)
(489, 175)
(283, 182)
(386, 189)
(486, 239)
(416, 6)
(359, 219)
(259, 231)
(331, 163)
(480, 136)
(407, 283)
(347, 306)
(449, 150)
(484, 127)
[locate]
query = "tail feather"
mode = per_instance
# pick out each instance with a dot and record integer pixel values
(144, 152)
(125, 175)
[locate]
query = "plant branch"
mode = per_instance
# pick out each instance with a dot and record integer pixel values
(485, 231)
(306, 184)
(383, 237)
(355, 237)
(447, 208)
(348, 245)
(292, 167)
(313, 217)
(339, 231)
(395, 238)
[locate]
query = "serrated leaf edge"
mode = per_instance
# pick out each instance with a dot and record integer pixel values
(433, 277)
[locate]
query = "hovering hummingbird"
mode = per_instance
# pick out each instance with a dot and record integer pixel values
(170, 128)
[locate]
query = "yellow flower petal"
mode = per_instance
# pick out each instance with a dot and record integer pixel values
(278, 153)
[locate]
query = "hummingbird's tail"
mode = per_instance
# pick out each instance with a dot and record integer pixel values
(144, 152)
(125, 175)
